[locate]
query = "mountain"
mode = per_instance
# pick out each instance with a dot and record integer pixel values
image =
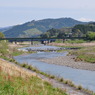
(35, 28)
(5, 28)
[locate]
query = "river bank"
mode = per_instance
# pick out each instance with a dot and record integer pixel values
(41, 55)
(20, 81)
(87, 44)
(14, 70)
(70, 62)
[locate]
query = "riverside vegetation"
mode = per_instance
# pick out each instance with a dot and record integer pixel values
(12, 84)
(85, 49)
(7, 83)
(86, 53)
(62, 80)
(16, 81)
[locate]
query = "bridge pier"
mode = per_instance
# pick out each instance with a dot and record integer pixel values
(32, 42)
(64, 40)
(15, 42)
(42, 42)
(48, 41)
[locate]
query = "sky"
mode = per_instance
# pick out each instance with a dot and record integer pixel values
(13, 12)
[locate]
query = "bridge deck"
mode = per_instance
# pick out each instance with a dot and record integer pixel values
(37, 39)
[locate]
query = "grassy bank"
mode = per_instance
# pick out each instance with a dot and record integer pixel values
(61, 80)
(16, 81)
(7, 50)
(70, 41)
(13, 85)
(17, 78)
(85, 54)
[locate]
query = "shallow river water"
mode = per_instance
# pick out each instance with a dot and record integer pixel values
(79, 77)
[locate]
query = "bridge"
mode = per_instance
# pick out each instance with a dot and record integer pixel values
(42, 40)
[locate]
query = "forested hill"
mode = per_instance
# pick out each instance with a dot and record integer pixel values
(35, 28)
(83, 29)
(80, 30)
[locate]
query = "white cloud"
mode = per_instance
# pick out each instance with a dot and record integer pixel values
(85, 19)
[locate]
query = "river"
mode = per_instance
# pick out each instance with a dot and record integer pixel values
(79, 77)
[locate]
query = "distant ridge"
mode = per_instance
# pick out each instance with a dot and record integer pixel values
(35, 28)
(2, 29)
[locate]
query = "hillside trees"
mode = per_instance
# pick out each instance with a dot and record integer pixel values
(3, 46)
(77, 33)
(53, 33)
(1, 35)
(90, 35)
(82, 30)
(61, 35)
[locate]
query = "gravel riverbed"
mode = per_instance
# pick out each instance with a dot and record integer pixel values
(69, 62)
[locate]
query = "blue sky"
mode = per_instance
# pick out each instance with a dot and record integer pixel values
(14, 12)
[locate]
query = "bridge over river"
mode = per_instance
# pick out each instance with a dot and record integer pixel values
(42, 40)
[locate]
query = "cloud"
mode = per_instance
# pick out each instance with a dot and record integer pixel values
(85, 19)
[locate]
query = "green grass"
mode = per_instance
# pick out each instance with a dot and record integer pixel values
(59, 41)
(75, 41)
(11, 85)
(85, 54)
(17, 53)
(87, 58)
(70, 41)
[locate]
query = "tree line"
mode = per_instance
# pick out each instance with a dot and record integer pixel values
(87, 30)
